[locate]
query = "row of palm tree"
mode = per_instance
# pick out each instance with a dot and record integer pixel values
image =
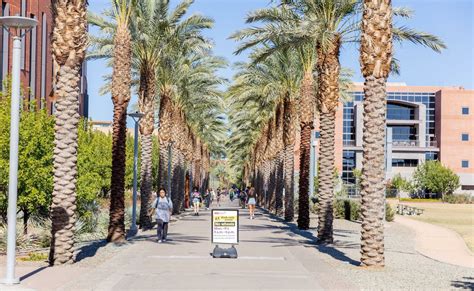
(162, 55)
(315, 31)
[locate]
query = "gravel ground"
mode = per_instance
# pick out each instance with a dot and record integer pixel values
(405, 269)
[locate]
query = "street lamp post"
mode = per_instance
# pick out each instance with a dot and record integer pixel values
(313, 169)
(136, 117)
(17, 23)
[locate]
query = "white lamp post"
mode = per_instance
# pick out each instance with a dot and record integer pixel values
(136, 117)
(17, 23)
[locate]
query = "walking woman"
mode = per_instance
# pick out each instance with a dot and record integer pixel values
(196, 200)
(163, 207)
(251, 202)
(207, 199)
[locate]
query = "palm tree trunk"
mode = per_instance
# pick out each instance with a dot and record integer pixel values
(280, 184)
(69, 43)
(328, 69)
(373, 173)
(375, 59)
(121, 82)
(289, 183)
(306, 126)
(303, 197)
(326, 176)
(146, 105)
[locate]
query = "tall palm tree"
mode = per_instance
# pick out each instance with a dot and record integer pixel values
(69, 43)
(326, 25)
(375, 59)
(120, 51)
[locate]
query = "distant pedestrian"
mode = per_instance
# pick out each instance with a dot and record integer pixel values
(207, 199)
(163, 208)
(243, 198)
(219, 194)
(196, 196)
(251, 201)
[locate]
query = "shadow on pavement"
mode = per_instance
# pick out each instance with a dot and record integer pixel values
(465, 283)
(24, 277)
(89, 250)
(313, 240)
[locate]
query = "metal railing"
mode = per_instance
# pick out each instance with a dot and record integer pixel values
(405, 143)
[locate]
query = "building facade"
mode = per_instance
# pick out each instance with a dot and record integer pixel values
(37, 65)
(423, 123)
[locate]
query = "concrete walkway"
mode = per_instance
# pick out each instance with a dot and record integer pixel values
(270, 257)
(439, 243)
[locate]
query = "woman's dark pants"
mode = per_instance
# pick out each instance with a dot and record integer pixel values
(162, 229)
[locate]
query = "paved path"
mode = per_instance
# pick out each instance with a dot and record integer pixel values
(439, 243)
(270, 258)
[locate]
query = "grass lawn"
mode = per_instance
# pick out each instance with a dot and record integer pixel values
(458, 217)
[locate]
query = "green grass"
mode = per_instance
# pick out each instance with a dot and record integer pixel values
(420, 200)
(35, 257)
(457, 217)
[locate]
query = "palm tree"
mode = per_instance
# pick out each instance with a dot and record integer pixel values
(120, 89)
(375, 59)
(325, 25)
(69, 43)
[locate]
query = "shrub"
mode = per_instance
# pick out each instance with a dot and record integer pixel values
(433, 177)
(347, 208)
(389, 212)
(458, 199)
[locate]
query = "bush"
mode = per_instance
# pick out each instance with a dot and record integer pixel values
(349, 209)
(389, 212)
(458, 199)
(433, 177)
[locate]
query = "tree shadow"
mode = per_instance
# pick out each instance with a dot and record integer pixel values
(24, 277)
(464, 283)
(328, 249)
(89, 250)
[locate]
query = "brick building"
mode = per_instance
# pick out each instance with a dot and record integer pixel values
(36, 59)
(425, 122)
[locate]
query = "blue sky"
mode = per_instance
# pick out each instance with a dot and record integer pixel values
(451, 20)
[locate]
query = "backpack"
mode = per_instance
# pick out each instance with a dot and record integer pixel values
(158, 200)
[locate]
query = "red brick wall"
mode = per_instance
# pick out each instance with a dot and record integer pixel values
(33, 8)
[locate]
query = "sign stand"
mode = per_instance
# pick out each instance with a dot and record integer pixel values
(225, 230)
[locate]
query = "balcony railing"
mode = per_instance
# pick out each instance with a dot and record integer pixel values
(405, 143)
(432, 144)
(350, 143)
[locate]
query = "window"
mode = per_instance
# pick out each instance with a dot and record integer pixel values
(44, 33)
(400, 112)
(404, 162)
(348, 165)
(6, 12)
(23, 39)
(465, 164)
(467, 187)
(403, 132)
(465, 111)
(33, 61)
(431, 156)
(465, 137)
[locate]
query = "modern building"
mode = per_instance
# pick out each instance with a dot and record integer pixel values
(37, 65)
(423, 123)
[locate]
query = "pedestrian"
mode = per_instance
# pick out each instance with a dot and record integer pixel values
(196, 200)
(219, 194)
(163, 208)
(207, 198)
(243, 198)
(251, 201)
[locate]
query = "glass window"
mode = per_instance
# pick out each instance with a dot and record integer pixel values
(400, 112)
(348, 165)
(404, 162)
(431, 156)
(465, 164)
(403, 132)
(465, 137)
(465, 111)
